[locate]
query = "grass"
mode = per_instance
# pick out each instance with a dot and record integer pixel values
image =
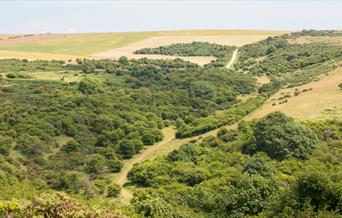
(325, 96)
(9, 54)
(56, 76)
(332, 113)
(334, 40)
(80, 44)
(89, 43)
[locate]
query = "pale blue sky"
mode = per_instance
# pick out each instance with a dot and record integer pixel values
(117, 16)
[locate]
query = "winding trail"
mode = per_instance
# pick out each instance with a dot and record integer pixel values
(233, 59)
(169, 136)
(121, 177)
(168, 144)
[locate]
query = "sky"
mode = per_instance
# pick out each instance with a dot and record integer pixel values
(60, 16)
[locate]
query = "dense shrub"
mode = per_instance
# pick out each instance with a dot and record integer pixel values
(54, 205)
(280, 137)
(190, 49)
(90, 86)
(113, 190)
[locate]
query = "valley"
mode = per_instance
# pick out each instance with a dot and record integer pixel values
(202, 123)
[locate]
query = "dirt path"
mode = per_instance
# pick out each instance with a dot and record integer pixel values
(233, 59)
(168, 144)
(121, 178)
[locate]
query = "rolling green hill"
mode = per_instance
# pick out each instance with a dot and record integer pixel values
(170, 138)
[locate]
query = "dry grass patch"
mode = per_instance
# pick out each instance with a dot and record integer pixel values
(4, 54)
(335, 40)
(56, 76)
(261, 80)
(200, 60)
(325, 95)
(17, 39)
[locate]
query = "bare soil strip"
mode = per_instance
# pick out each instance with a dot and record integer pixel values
(233, 59)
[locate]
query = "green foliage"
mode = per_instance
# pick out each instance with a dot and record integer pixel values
(71, 146)
(88, 87)
(270, 88)
(149, 206)
(95, 164)
(123, 60)
(151, 137)
(113, 190)
(314, 192)
(71, 137)
(319, 191)
(281, 137)
(229, 116)
(54, 205)
(70, 134)
(189, 49)
(291, 64)
(5, 145)
(222, 52)
(207, 179)
(129, 147)
(71, 183)
(144, 173)
(215, 179)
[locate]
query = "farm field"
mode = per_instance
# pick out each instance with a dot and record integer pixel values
(7, 54)
(7, 40)
(115, 45)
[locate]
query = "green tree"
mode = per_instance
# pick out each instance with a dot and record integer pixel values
(280, 137)
(95, 164)
(71, 146)
(5, 145)
(30, 145)
(113, 190)
(148, 138)
(123, 60)
(129, 147)
(90, 86)
(201, 90)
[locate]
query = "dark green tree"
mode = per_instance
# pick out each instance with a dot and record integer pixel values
(280, 137)
(95, 164)
(113, 190)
